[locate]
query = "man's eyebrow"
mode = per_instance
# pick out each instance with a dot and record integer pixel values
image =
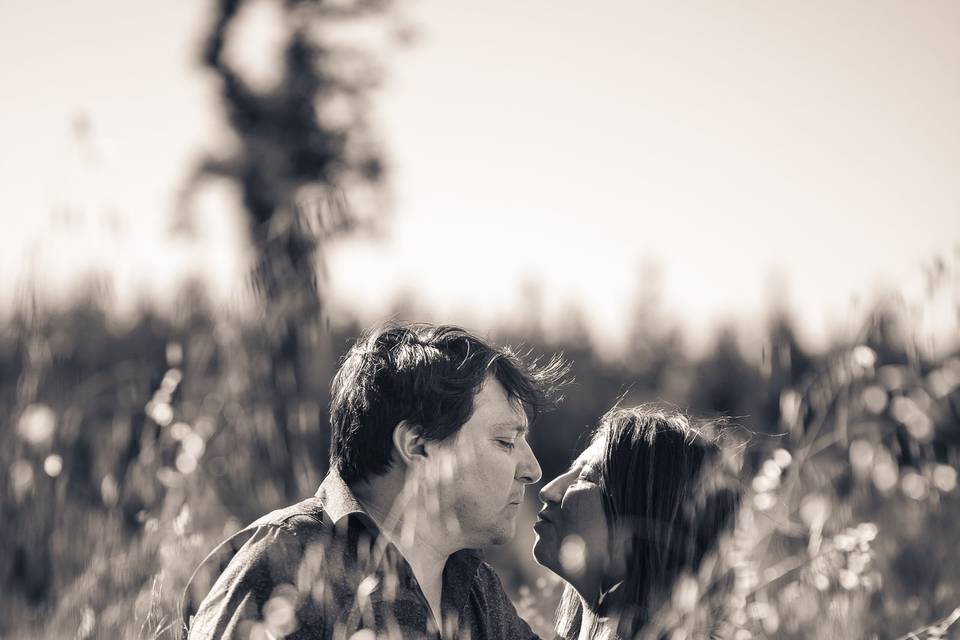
(512, 426)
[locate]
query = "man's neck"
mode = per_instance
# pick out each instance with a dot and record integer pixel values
(403, 520)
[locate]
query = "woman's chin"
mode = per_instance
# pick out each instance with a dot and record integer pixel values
(543, 555)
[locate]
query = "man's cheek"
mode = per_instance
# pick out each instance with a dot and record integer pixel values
(447, 466)
(467, 455)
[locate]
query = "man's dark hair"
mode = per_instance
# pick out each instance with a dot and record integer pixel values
(427, 375)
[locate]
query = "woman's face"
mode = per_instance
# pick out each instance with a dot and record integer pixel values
(572, 529)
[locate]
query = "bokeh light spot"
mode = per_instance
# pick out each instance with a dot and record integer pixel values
(21, 477)
(763, 501)
(814, 510)
(891, 376)
(864, 356)
(193, 445)
(763, 483)
(821, 582)
(179, 430)
(861, 455)
(53, 465)
(868, 531)
(160, 412)
(782, 457)
(914, 485)
(174, 354)
(945, 478)
(875, 398)
(790, 406)
(109, 490)
(885, 472)
(186, 463)
(772, 470)
(37, 424)
(279, 613)
(848, 579)
(573, 555)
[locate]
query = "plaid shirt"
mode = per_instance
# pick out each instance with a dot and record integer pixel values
(321, 570)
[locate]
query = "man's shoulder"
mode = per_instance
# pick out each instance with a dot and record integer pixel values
(487, 574)
(306, 516)
(271, 541)
(488, 582)
(243, 571)
(502, 617)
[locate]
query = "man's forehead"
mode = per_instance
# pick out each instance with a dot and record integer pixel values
(513, 419)
(501, 411)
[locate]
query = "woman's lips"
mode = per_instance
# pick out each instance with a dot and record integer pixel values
(544, 517)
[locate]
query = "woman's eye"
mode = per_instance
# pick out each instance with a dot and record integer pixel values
(507, 444)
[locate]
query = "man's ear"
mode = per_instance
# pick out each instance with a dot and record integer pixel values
(408, 444)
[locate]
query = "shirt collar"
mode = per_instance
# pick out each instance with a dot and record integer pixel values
(339, 501)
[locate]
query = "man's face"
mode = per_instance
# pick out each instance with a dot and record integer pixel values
(482, 471)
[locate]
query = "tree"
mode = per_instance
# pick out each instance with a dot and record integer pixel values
(293, 166)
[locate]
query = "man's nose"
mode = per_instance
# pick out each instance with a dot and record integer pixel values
(528, 471)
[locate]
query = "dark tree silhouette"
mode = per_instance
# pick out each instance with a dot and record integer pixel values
(293, 166)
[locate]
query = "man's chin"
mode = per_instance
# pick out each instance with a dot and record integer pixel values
(503, 536)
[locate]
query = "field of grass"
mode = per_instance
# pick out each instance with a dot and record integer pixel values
(130, 451)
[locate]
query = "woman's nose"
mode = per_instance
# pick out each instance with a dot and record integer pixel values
(553, 490)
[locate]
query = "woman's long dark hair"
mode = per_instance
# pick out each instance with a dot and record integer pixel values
(667, 492)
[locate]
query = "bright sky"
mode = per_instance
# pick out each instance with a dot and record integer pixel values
(807, 152)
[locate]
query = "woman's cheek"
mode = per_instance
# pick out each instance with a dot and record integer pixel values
(576, 519)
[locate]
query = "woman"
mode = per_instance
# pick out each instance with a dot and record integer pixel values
(640, 507)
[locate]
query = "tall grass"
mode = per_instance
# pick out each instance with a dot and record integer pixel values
(129, 452)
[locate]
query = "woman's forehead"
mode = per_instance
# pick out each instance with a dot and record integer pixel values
(592, 454)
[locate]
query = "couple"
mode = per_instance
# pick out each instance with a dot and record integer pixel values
(428, 462)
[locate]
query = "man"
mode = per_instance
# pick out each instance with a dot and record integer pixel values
(428, 462)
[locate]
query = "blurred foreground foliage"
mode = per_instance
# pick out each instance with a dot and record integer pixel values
(128, 452)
